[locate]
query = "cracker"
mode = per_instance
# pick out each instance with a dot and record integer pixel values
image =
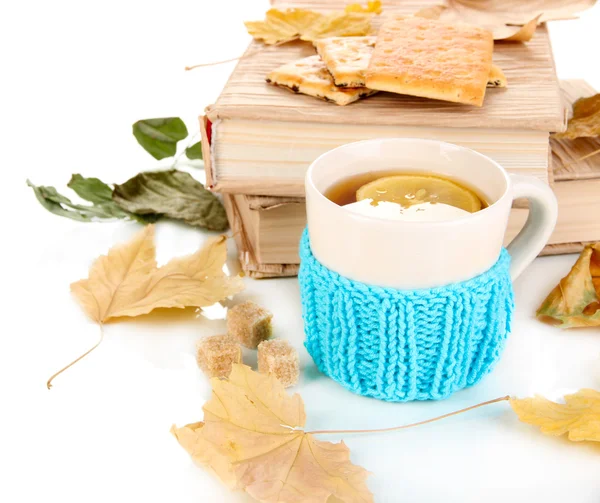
(310, 76)
(346, 58)
(432, 59)
(497, 77)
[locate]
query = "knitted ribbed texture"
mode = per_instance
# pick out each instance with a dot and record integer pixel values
(401, 345)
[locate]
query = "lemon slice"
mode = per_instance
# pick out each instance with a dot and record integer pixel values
(408, 190)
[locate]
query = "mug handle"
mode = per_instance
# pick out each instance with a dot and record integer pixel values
(543, 212)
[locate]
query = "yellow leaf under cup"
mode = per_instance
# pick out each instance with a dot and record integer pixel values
(578, 417)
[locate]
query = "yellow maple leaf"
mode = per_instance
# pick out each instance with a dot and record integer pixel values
(350, 24)
(585, 121)
(575, 301)
(205, 453)
(372, 6)
(127, 281)
(253, 430)
(280, 26)
(579, 416)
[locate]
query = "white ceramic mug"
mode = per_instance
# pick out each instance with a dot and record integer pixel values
(412, 255)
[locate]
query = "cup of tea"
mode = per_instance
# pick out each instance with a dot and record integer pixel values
(406, 287)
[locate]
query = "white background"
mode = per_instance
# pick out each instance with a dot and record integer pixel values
(75, 76)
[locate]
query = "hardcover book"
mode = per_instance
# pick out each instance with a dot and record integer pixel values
(260, 139)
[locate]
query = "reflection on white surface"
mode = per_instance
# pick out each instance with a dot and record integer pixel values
(215, 312)
(596, 371)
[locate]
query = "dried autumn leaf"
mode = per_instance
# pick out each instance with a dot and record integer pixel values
(519, 12)
(433, 12)
(127, 281)
(500, 31)
(280, 26)
(517, 34)
(172, 193)
(508, 20)
(205, 453)
(575, 302)
(351, 24)
(101, 195)
(372, 6)
(585, 121)
(579, 416)
(253, 428)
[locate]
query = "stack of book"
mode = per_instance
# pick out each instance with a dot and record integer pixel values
(258, 141)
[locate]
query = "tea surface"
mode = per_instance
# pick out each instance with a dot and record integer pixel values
(406, 189)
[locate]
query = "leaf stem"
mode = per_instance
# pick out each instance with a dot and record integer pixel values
(188, 68)
(587, 156)
(191, 139)
(404, 426)
(49, 383)
(246, 55)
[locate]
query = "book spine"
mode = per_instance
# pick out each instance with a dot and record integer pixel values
(248, 262)
(206, 139)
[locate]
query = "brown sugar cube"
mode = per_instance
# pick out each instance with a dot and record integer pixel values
(249, 324)
(217, 354)
(277, 357)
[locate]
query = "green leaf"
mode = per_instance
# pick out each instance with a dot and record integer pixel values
(50, 199)
(175, 194)
(159, 137)
(98, 193)
(148, 218)
(90, 189)
(195, 151)
(60, 205)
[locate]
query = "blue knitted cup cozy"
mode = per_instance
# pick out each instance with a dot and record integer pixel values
(401, 345)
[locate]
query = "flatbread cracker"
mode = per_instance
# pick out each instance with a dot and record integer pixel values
(346, 58)
(432, 59)
(497, 77)
(310, 76)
